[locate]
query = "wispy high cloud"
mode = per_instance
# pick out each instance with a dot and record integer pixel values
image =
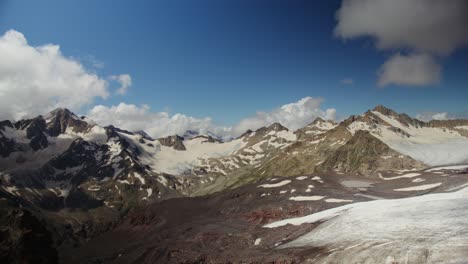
(428, 116)
(347, 81)
(125, 82)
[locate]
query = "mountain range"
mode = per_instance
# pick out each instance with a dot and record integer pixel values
(65, 180)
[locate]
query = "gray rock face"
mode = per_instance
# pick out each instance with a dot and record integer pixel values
(61, 119)
(363, 154)
(272, 127)
(35, 132)
(246, 133)
(144, 135)
(177, 142)
(208, 139)
(4, 124)
(402, 118)
(6, 146)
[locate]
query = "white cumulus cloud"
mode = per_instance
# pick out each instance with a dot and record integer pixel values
(159, 124)
(125, 82)
(293, 116)
(416, 70)
(36, 78)
(156, 124)
(434, 28)
(425, 25)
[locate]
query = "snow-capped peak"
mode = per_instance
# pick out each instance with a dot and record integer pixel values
(412, 137)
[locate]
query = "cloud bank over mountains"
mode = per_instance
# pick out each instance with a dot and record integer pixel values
(427, 30)
(160, 124)
(36, 80)
(428, 116)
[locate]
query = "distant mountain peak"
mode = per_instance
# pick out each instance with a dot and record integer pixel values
(246, 133)
(385, 110)
(59, 119)
(59, 112)
(174, 141)
(190, 134)
(318, 120)
(143, 134)
(276, 127)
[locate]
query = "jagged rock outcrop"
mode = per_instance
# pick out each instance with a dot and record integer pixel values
(35, 131)
(402, 118)
(245, 134)
(273, 127)
(60, 119)
(143, 134)
(177, 142)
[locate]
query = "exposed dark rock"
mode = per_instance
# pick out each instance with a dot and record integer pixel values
(272, 127)
(24, 239)
(399, 131)
(120, 130)
(79, 199)
(35, 128)
(6, 146)
(385, 111)
(5, 123)
(61, 119)
(22, 124)
(209, 139)
(39, 142)
(177, 142)
(35, 131)
(402, 118)
(190, 134)
(246, 133)
(276, 127)
(318, 120)
(144, 135)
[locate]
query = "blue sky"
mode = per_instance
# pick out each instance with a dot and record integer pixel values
(229, 59)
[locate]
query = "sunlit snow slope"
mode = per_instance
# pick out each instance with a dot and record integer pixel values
(425, 229)
(433, 146)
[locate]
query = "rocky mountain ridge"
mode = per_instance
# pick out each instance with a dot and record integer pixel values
(71, 148)
(63, 166)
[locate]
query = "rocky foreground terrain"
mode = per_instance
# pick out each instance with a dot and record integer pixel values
(377, 187)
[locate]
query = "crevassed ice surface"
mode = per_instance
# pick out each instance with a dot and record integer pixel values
(425, 229)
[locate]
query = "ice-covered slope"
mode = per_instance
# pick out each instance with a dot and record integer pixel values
(431, 145)
(424, 229)
(166, 159)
